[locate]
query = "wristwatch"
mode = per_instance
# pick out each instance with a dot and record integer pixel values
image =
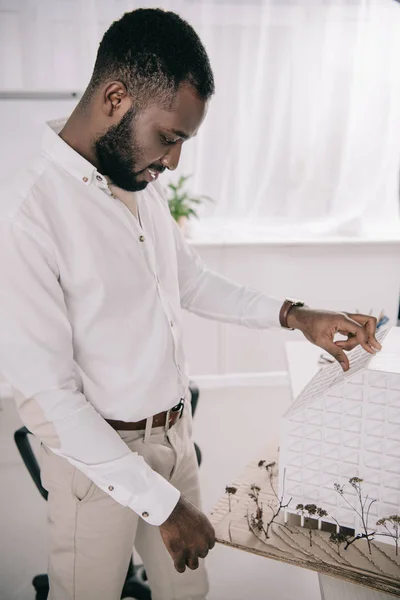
(285, 310)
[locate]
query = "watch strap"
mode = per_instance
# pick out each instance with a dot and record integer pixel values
(285, 310)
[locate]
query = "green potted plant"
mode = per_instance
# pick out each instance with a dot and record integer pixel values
(181, 203)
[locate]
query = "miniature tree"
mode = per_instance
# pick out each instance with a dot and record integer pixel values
(311, 511)
(392, 526)
(256, 520)
(231, 491)
(362, 511)
(263, 464)
(338, 539)
(276, 505)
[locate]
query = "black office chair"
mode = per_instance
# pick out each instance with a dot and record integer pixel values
(135, 585)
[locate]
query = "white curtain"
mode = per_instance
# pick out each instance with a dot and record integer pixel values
(304, 130)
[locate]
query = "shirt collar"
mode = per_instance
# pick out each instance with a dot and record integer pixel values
(61, 153)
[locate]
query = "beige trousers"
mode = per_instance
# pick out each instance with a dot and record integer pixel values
(92, 536)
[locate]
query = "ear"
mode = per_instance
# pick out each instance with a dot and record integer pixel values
(115, 99)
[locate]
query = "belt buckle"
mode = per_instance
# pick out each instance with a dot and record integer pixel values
(177, 408)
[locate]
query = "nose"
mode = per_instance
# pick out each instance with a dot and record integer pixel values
(170, 160)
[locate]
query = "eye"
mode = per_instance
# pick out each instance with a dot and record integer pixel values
(167, 141)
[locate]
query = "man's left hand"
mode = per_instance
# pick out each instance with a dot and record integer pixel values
(320, 327)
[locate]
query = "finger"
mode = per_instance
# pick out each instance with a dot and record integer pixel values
(180, 561)
(180, 566)
(336, 352)
(203, 553)
(211, 542)
(193, 563)
(352, 328)
(351, 342)
(347, 345)
(369, 323)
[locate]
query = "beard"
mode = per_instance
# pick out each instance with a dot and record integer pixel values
(117, 154)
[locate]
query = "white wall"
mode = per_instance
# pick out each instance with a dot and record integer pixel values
(338, 275)
(21, 125)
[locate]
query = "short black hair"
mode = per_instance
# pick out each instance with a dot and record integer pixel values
(152, 52)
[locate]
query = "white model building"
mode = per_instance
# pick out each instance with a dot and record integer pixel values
(346, 425)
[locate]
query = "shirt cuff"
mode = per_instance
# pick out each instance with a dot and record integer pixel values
(156, 505)
(263, 312)
(277, 305)
(132, 483)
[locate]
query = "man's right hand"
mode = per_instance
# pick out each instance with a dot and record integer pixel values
(188, 535)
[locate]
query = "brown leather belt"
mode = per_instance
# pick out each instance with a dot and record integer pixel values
(159, 420)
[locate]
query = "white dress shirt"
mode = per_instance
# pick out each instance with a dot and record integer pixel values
(91, 306)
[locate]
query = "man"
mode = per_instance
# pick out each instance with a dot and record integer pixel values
(94, 276)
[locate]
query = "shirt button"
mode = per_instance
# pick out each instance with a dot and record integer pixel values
(171, 323)
(99, 178)
(111, 488)
(85, 179)
(141, 238)
(145, 515)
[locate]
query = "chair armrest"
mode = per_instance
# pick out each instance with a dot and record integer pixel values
(25, 449)
(194, 391)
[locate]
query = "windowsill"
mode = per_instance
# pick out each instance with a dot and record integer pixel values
(282, 241)
(219, 234)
